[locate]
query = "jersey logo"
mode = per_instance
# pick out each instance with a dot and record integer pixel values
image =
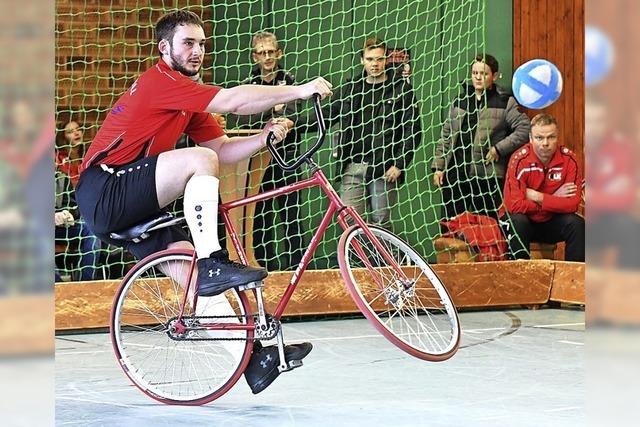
(555, 176)
(117, 109)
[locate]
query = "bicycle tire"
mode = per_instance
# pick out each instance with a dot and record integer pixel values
(168, 370)
(418, 315)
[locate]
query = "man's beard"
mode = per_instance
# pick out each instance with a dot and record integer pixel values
(180, 68)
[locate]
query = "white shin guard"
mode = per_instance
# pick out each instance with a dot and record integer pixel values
(201, 213)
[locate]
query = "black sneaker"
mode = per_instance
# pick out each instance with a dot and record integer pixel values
(262, 369)
(217, 273)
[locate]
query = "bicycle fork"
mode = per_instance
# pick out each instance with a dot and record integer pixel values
(267, 326)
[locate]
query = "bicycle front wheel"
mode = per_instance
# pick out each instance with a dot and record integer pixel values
(188, 367)
(413, 310)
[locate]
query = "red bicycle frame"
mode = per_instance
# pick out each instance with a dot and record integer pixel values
(318, 178)
(336, 205)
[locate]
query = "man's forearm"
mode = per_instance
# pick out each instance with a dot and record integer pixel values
(232, 150)
(252, 99)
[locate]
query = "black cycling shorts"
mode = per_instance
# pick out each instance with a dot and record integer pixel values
(118, 197)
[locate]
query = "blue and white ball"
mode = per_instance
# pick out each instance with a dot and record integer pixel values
(598, 55)
(537, 84)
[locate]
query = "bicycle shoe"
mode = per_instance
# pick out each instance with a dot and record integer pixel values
(217, 273)
(262, 369)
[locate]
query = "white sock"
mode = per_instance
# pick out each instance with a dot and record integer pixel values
(201, 212)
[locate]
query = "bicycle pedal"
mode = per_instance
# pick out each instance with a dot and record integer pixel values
(291, 365)
(251, 285)
(294, 364)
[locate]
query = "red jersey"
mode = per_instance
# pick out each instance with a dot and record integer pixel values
(525, 170)
(150, 116)
(68, 166)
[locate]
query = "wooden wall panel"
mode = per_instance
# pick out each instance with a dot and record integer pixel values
(82, 305)
(568, 283)
(554, 30)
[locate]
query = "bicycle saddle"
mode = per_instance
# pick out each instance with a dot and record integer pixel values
(141, 230)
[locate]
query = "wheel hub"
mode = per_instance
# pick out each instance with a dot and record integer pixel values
(399, 293)
(179, 329)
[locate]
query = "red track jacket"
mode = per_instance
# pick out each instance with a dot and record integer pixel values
(525, 170)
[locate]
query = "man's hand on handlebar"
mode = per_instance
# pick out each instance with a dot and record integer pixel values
(283, 125)
(279, 126)
(318, 85)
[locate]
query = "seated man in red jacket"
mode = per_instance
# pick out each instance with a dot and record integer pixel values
(542, 193)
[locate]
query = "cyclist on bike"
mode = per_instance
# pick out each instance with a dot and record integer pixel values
(132, 171)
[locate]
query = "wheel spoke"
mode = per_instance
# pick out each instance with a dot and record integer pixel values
(405, 298)
(163, 363)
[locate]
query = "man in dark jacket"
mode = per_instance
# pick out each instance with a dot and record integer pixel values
(481, 131)
(267, 72)
(380, 131)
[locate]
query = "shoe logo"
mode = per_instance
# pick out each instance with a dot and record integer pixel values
(263, 363)
(217, 272)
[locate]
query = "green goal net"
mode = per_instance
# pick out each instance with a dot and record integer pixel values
(102, 46)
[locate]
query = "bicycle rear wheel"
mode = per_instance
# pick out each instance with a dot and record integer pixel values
(189, 369)
(414, 311)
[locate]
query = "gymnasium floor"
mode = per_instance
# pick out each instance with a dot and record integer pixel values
(514, 368)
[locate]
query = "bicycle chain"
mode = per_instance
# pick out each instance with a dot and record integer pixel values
(256, 337)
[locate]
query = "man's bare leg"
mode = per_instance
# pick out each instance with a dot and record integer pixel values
(193, 171)
(206, 306)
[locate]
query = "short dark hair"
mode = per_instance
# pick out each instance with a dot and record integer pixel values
(373, 43)
(543, 119)
(489, 60)
(166, 25)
